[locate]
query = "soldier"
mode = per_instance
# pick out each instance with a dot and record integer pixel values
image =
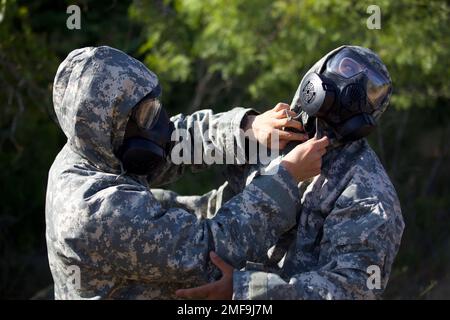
(349, 223)
(107, 234)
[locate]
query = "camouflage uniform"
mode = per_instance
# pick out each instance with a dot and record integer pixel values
(109, 226)
(350, 219)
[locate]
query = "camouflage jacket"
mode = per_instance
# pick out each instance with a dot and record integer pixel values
(107, 235)
(349, 226)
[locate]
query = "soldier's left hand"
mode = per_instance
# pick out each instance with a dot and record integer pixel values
(218, 290)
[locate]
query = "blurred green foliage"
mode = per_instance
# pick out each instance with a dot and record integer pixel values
(262, 47)
(221, 54)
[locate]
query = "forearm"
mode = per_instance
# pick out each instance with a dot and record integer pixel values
(145, 241)
(257, 217)
(243, 229)
(204, 139)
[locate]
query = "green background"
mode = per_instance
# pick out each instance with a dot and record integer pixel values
(222, 54)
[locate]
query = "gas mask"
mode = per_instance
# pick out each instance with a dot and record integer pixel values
(346, 94)
(147, 140)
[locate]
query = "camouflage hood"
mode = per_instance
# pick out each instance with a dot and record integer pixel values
(319, 66)
(94, 90)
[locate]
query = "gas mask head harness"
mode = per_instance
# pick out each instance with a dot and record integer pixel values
(147, 140)
(348, 93)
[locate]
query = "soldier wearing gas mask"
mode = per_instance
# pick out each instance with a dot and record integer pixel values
(108, 235)
(350, 223)
(346, 91)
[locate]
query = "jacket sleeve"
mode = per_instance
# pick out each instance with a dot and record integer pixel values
(360, 236)
(204, 138)
(131, 234)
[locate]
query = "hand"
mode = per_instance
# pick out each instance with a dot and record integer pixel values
(218, 290)
(272, 122)
(305, 160)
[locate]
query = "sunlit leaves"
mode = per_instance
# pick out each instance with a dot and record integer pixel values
(266, 46)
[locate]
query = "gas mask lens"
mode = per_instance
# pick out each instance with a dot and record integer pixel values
(377, 87)
(348, 68)
(348, 64)
(146, 112)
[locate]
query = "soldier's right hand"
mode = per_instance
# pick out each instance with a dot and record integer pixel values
(305, 160)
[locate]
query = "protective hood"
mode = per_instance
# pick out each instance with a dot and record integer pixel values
(94, 90)
(319, 67)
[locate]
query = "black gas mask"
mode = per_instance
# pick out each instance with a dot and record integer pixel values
(147, 140)
(345, 94)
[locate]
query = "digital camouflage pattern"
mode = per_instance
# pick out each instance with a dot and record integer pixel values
(350, 219)
(110, 226)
